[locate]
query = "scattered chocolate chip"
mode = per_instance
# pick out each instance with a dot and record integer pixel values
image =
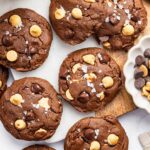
(83, 97)
(138, 73)
(36, 88)
(139, 60)
(135, 15)
(89, 134)
(30, 116)
(147, 53)
(139, 83)
(7, 41)
(104, 58)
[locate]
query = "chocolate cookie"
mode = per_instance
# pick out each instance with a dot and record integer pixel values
(30, 109)
(115, 23)
(3, 79)
(25, 39)
(75, 20)
(89, 79)
(125, 19)
(97, 134)
(38, 147)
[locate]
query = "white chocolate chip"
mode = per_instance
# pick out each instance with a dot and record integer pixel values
(107, 82)
(89, 58)
(112, 139)
(43, 102)
(76, 67)
(95, 145)
(16, 99)
(20, 124)
(76, 13)
(35, 31)
(41, 132)
(128, 30)
(60, 13)
(15, 21)
(68, 95)
(1, 83)
(11, 55)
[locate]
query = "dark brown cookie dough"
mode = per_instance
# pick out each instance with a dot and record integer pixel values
(3, 79)
(38, 147)
(74, 20)
(30, 109)
(115, 23)
(89, 79)
(125, 19)
(25, 39)
(97, 134)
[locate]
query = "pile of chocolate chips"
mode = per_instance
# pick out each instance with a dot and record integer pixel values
(142, 69)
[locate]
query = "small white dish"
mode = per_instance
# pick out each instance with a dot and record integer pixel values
(139, 100)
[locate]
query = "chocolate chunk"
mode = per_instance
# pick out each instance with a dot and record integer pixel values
(138, 73)
(30, 116)
(135, 15)
(147, 53)
(36, 88)
(89, 134)
(139, 83)
(104, 58)
(7, 41)
(83, 97)
(139, 60)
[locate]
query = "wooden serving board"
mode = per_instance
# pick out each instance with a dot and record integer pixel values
(123, 102)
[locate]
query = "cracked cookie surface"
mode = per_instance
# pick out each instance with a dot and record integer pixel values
(3, 79)
(38, 147)
(89, 79)
(96, 134)
(114, 23)
(30, 109)
(25, 39)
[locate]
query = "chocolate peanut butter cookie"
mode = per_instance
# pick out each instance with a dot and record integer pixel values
(97, 134)
(3, 79)
(75, 20)
(38, 147)
(89, 79)
(125, 19)
(25, 39)
(30, 109)
(115, 23)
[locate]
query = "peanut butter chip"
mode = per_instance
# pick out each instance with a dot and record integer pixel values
(101, 96)
(144, 69)
(41, 132)
(95, 145)
(90, 1)
(1, 83)
(112, 139)
(76, 13)
(11, 55)
(107, 45)
(68, 95)
(107, 82)
(76, 67)
(60, 13)
(15, 21)
(35, 31)
(128, 30)
(16, 99)
(43, 102)
(20, 124)
(90, 59)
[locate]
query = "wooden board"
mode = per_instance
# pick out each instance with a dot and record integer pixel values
(123, 102)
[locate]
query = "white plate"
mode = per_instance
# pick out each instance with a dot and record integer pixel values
(49, 70)
(140, 101)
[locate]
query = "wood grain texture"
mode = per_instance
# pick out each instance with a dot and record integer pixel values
(123, 102)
